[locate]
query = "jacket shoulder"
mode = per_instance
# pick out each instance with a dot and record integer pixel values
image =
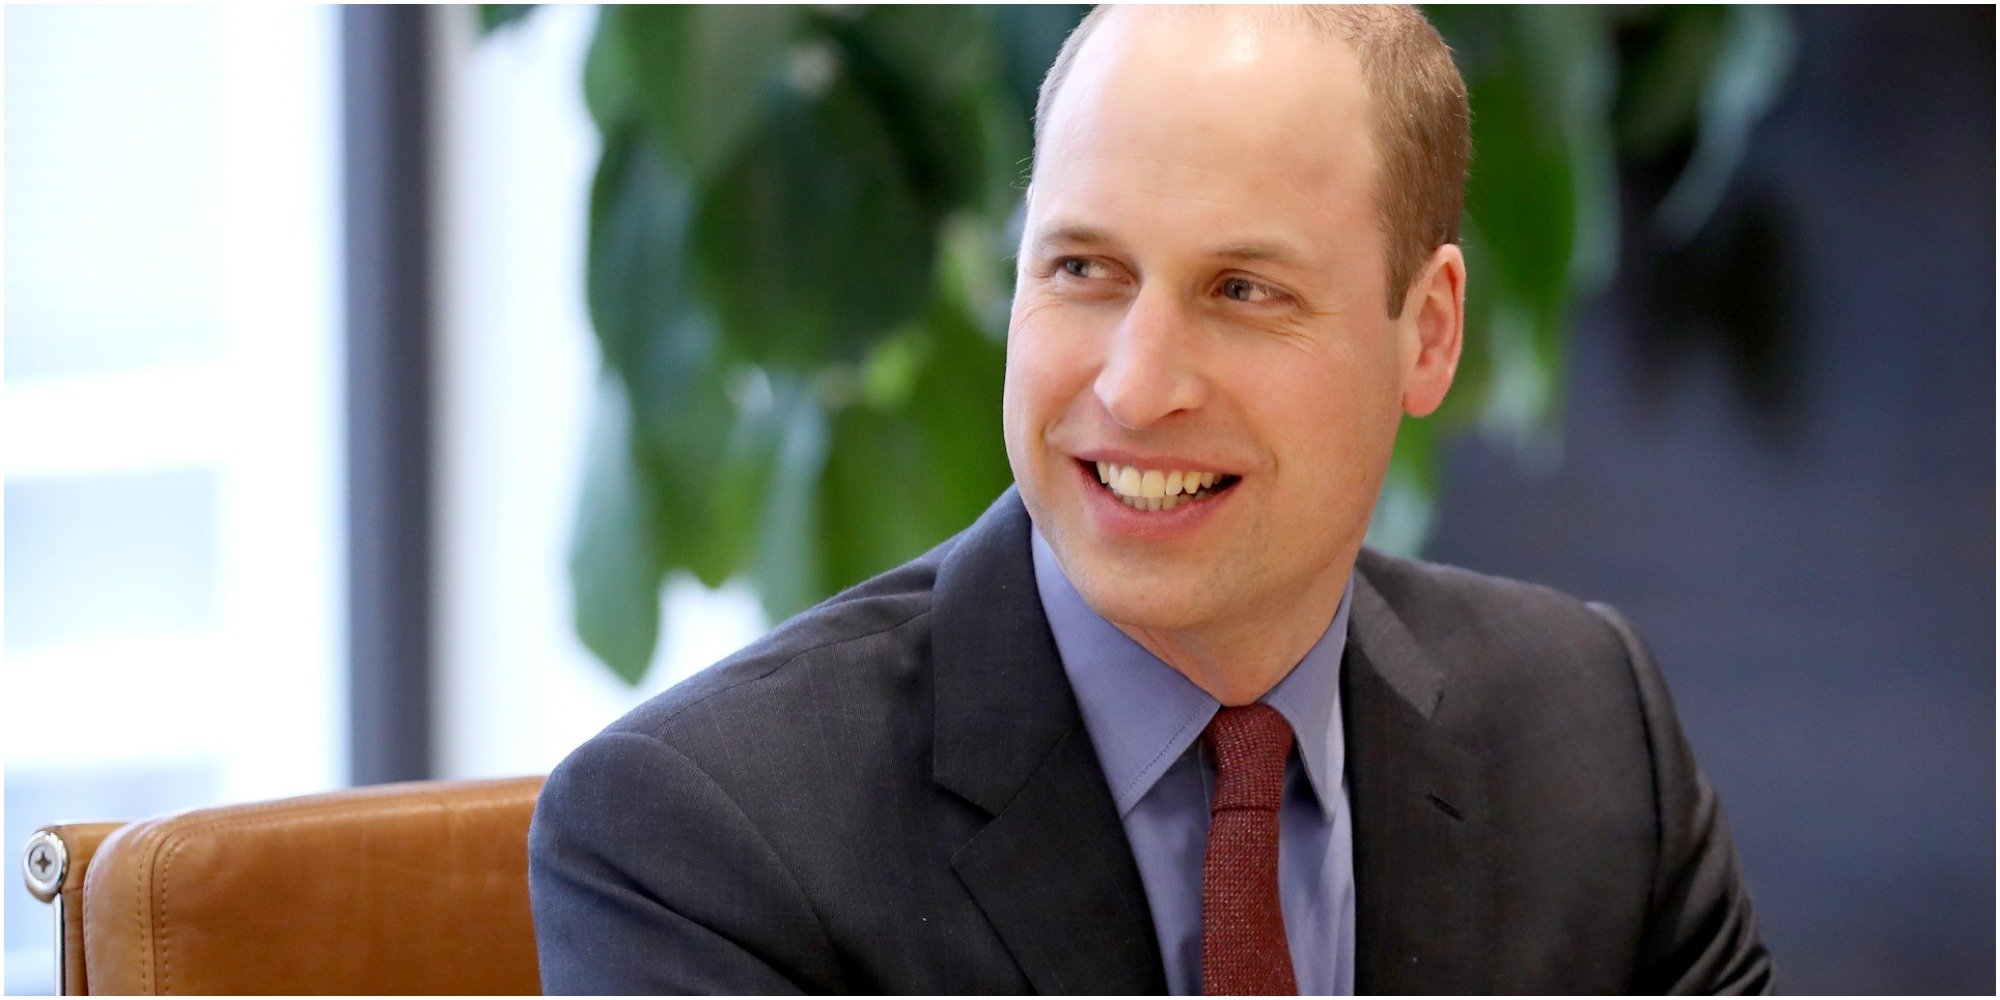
(1458, 613)
(1436, 598)
(867, 633)
(1514, 656)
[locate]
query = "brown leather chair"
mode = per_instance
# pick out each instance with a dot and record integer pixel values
(407, 888)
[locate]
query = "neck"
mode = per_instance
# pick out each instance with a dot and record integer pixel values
(1240, 661)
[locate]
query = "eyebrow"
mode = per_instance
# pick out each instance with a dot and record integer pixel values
(1275, 253)
(1078, 234)
(1074, 234)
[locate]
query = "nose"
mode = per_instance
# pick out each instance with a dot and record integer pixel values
(1149, 371)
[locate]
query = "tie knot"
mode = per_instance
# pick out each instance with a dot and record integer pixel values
(1250, 744)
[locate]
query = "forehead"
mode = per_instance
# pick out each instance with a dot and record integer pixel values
(1212, 106)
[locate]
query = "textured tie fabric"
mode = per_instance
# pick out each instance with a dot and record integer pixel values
(1243, 948)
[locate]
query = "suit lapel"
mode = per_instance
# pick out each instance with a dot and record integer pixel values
(1424, 898)
(1052, 870)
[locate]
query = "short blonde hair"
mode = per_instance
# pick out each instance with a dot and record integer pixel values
(1420, 122)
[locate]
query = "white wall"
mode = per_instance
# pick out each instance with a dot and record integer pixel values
(173, 270)
(171, 419)
(515, 364)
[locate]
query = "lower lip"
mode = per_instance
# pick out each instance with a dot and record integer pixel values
(1111, 516)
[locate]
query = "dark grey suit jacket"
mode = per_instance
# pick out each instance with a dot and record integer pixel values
(894, 793)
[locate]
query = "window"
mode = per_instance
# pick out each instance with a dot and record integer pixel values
(172, 499)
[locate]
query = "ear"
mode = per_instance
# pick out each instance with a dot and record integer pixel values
(1432, 330)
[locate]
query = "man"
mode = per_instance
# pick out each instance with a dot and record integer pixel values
(1157, 722)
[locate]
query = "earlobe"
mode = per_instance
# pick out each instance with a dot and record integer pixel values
(1435, 313)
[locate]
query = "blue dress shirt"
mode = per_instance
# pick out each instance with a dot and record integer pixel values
(1145, 719)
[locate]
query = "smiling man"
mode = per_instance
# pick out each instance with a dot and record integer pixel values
(1158, 722)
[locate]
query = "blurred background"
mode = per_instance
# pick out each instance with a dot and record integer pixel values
(407, 392)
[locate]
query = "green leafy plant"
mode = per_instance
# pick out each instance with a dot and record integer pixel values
(800, 246)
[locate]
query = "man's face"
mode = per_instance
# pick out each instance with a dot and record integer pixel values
(1201, 290)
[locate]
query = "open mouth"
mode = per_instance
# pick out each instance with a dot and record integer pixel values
(1158, 490)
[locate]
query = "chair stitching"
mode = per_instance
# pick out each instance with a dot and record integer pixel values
(163, 948)
(140, 897)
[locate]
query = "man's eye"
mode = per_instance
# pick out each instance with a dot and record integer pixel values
(1245, 290)
(1077, 267)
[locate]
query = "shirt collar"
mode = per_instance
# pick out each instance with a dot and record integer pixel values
(1143, 714)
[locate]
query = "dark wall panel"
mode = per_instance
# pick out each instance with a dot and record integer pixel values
(387, 125)
(1778, 459)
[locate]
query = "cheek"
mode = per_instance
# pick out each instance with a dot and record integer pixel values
(1032, 391)
(1332, 420)
(1046, 365)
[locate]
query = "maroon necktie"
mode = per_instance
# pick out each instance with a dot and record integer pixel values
(1243, 949)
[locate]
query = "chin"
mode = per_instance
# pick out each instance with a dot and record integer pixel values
(1151, 615)
(1134, 597)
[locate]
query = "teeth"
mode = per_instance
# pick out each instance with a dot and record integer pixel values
(1154, 489)
(1127, 482)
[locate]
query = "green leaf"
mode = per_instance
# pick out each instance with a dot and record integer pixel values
(493, 16)
(1541, 210)
(955, 404)
(711, 430)
(975, 274)
(922, 68)
(818, 244)
(920, 455)
(615, 563)
(706, 76)
(1576, 42)
(1673, 49)
(1521, 189)
(610, 89)
(1030, 37)
(890, 370)
(1750, 70)
(899, 480)
(710, 434)
(878, 497)
(1522, 393)
(790, 572)
(636, 285)
(937, 51)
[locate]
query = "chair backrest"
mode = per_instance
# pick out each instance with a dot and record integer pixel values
(419, 887)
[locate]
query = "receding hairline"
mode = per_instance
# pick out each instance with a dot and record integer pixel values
(1260, 17)
(1321, 19)
(1419, 130)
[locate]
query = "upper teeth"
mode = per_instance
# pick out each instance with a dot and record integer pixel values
(1134, 482)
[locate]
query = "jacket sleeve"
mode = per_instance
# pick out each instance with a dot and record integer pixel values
(645, 877)
(1700, 935)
